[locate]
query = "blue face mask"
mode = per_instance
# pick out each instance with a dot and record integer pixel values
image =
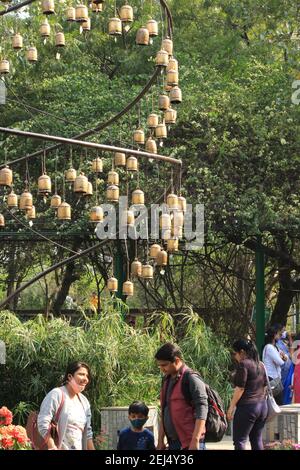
(283, 336)
(138, 423)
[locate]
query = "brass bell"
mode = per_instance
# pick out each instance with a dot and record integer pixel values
(120, 159)
(17, 41)
(147, 271)
(132, 164)
(48, 7)
(31, 213)
(152, 27)
(139, 137)
(81, 13)
(70, 175)
(128, 289)
(176, 95)
(44, 184)
(45, 29)
(142, 36)
(167, 45)
(31, 54)
(138, 197)
(4, 66)
(151, 146)
(55, 201)
(126, 14)
(161, 131)
(25, 201)
(97, 165)
(165, 222)
(170, 116)
(81, 184)
(2, 221)
(163, 102)
(71, 14)
(162, 58)
(64, 211)
(113, 178)
(112, 193)
(112, 284)
(89, 191)
(172, 78)
(154, 250)
(115, 27)
(172, 65)
(96, 214)
(172, 245)
(60, 40)
(6, 176)
(162, 258)
(182, 203)
(172, 201)
(136, 268)
(12, 200)
(152, 120)
(86, 25)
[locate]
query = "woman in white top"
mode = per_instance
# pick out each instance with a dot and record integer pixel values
(74, 421)
(273, 359)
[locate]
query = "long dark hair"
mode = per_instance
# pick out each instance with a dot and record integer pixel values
(73, 367)
(250, 349)
(271, 333)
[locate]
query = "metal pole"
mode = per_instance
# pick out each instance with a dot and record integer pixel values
(82, 143)
(260, 296)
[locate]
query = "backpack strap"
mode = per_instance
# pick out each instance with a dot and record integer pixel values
(62, 402)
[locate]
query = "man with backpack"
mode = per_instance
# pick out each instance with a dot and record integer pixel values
(182, 420)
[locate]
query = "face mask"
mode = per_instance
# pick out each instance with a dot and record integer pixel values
(75, 386)
(283, 336)
(138, 423)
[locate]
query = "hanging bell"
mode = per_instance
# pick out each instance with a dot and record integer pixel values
(172, 78)
(4, 66)
(178, 218)
(176, 95)
(31, 54)
(182, 204)
(161, 131)
(142, 37)
(154, 250)
(86, 25)
(113, 178)
(147, 271)
(132, 164)
(44, 184)
(48, 7)
(96, 214)
(89, 191)
(60, 40)
(6, 176)
(81, 13)
(126, 14)
(12, 200)
(120, 159)
(152, 27)
(81, 184)
(64, 211)
(97, 165)
(55, 201)
(163, 102)
(139, 137)
(136, 268)
(173, 64)
(97, 7)
(114, 27)
(172, 245)
(170, 116)
(112, 284)
(25, 201)
(45, 29)
(17, 42)
(152, 120)
(112, 193)
(138, 197)
(162, 258)
(70, 175)
(151, 146)
(2, 221)
(162, 58)
(172, 202)
(128, 218)
(128, 289)
(31, 213)
(167, 45)
(71, 14)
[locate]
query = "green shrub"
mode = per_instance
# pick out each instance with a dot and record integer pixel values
(121, 357)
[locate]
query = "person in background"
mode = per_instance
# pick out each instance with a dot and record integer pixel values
(136, 437)
(249, 397)
(287, 369)
(74, 423)
(181, 422)
(274, 359)
(296, 361)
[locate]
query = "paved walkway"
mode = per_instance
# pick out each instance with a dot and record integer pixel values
(225, 444)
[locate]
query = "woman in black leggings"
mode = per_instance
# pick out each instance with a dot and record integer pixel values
(249, 397)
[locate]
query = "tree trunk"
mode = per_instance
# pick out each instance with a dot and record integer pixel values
(287, 291)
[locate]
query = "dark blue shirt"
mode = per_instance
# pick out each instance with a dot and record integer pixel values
(130, 440)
